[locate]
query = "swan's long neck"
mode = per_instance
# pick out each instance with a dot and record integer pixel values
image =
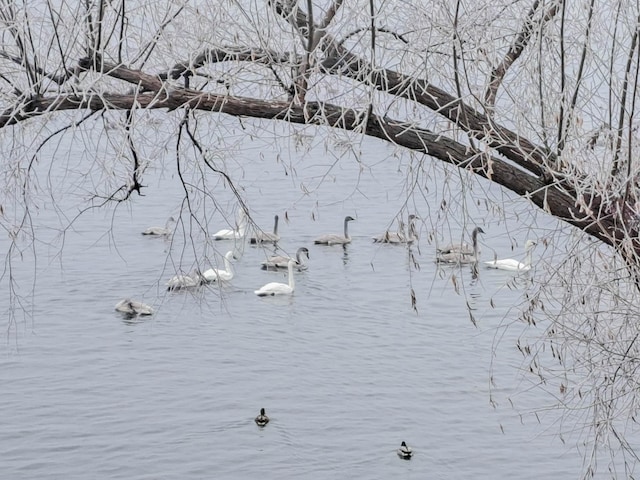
(529, 258)
(292, 282)
(242, 226)
(412, 230)
(227, 262)
(400, 228)
(475, 245)
(346, 228)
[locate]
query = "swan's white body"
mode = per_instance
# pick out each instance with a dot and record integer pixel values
(404, 451)
(218, 274)
(161, 231)
(335, 239)
(238, 233)
(280, 261)
(399, 237)
(267, 237)
(461, 253)
(132, 307)
(181, 281)
(276, 288)
(513, 265)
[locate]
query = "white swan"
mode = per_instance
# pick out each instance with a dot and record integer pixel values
(334, 239)
(275, 288)
(461, 253)
(132, 307)
(238, 233)
(404, 451)
(218, 274)
(514, 265)
(161, 231)
(178, 282)
(280, 261)
(262, 419)
(267, 237)
(399, 236)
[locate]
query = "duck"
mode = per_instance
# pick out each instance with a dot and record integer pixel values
(161, 231)
(267, 237)
(182, 281)
(334, 239)
(461, 253)
(399, 237)
(238, 233)
(280, 261)
(133, 307)
(404, 451)
(276, 288)
(218, 274)
(262, 419)
(512, 265)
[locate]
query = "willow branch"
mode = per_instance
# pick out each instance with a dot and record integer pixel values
(623, 102)
(517, 47)
(340, 61)
(552, 198)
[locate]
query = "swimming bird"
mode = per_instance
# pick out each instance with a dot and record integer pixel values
(181, 281)
(334, 239)
(238, 233)
(461, 253)
(399, 236)
(276, 288)
(132, 307)
(267, 237)
(404, 451)
(218, 274)
(262, 419)
(280, 261)
(514, 265)
(161, 231)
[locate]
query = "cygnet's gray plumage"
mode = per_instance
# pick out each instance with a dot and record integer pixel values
(461, 253)
(335, 239)
(281, 261)
(161, 231)
(133, 307)
(267, 237)
(399, 237)
(181, 281)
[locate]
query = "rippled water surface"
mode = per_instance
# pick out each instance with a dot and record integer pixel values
(346, 369)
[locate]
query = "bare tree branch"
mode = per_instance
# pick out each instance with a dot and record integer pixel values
(517, 47)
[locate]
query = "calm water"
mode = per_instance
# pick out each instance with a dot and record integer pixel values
(345, 368)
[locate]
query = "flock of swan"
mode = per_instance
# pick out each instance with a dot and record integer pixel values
(463, 253)
(455, 254)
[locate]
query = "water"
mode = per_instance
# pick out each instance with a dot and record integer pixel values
(346, 369)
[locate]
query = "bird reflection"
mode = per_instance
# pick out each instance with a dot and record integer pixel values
(345, 254)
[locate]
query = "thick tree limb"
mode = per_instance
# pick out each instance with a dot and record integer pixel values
(338, 60)
(342, 63)
(553, 199)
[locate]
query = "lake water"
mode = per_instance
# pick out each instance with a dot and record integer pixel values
(345, 368)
